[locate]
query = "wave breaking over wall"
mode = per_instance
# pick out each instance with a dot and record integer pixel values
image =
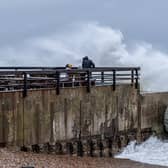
(152, 151)
(106, 46)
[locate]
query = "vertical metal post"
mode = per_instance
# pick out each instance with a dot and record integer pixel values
(88, 81)
(25, 85)
(114, 79)
(136, 78)
(57, 82)
(102, 77)
(132, 77)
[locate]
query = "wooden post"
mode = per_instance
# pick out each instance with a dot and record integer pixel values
(114, 79)
(57, 82)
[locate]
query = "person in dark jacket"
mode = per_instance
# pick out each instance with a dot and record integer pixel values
(87, 63)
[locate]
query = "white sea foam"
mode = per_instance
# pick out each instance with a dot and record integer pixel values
(152, 151)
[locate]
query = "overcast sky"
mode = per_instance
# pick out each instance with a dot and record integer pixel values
(139, 20)
(111, 32)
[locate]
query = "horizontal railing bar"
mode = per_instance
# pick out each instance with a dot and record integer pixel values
(41, 67)
(29, 79)
(99, 69)
(31, 67)
(28, 70)
(24, 78)
(123, 78)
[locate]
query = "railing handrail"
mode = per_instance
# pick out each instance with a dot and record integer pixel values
(43, 70)
(47, 76)
(63, 68)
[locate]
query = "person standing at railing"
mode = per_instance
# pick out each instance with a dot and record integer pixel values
(65, 78)
(70, 77)
(87, 63)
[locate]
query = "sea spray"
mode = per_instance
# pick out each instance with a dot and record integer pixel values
(105, 45)
(152, 151)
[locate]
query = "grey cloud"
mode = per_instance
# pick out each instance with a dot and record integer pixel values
(48, 32)
(138, 20)
(104, 45)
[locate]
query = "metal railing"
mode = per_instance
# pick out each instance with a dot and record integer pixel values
(24, 78)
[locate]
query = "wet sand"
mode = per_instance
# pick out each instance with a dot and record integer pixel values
(11, 159)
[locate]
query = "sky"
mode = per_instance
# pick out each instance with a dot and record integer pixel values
(111, 32)
(138, 20)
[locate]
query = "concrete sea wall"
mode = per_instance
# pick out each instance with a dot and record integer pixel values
(44, 116)
(75, 119)
(153, 107)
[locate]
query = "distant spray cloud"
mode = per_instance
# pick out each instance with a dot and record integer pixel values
(103, 44)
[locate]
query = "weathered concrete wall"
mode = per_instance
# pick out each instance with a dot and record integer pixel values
(153, 106)
(44, 116)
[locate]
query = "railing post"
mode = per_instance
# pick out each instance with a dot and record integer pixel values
(88, 81)
(132, 77)
(25, 85)
(136, 78)
(102, 77)
(57, 82)
(114, 79)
